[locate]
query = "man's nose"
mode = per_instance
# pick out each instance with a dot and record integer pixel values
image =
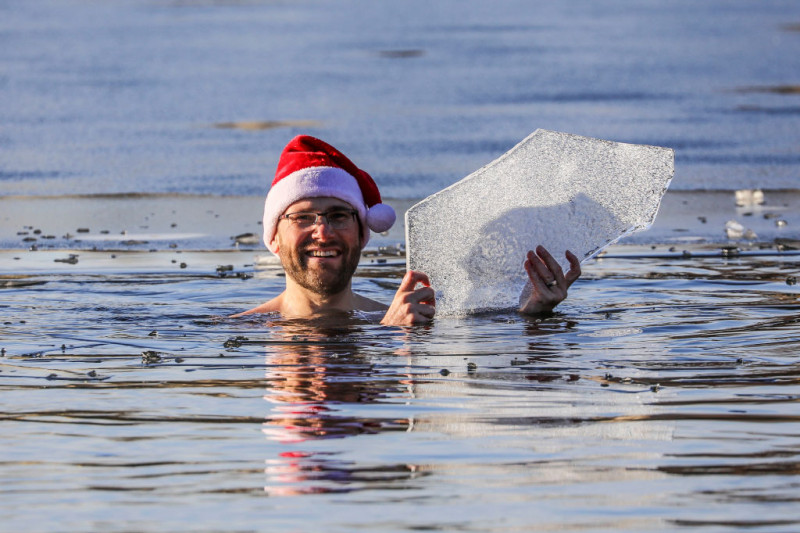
(322, 228)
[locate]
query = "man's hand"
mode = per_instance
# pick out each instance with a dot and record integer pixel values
(411, 305)
(549, 285)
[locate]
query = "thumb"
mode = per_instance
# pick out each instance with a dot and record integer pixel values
(411, 279)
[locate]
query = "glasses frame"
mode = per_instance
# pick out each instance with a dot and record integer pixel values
(318, 215)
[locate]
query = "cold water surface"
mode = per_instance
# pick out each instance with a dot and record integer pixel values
(200, 96)
(663, 395)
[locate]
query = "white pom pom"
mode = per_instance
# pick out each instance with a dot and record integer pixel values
(380, 217)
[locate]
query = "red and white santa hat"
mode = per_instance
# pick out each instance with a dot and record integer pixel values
(309, 168)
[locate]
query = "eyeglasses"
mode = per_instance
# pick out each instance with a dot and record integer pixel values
(336, 218)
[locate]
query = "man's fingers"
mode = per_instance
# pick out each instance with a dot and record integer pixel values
(415, 314)
(552, 265)
(573, 259)
(411, 279)
(422, 295)
(574, 267)
(539, 269)
(543, 275)
(539, 276)
(407, 282)
(543, 269)
(548, 283)
(412, 305)
(532, 266)
(426, 310)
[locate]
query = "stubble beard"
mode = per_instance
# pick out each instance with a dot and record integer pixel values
(326, 280)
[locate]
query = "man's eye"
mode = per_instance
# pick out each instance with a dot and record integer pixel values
(305, 219)
(338, 217)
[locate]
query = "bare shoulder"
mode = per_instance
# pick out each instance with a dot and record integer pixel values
(362, 303)
(271, 306)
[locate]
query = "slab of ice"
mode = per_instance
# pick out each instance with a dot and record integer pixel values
(559, 190)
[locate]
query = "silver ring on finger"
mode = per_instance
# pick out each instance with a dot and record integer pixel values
(552, 283)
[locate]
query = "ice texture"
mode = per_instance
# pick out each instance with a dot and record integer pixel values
(563, 191)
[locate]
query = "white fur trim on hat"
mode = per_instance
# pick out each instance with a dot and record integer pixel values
(312, 182)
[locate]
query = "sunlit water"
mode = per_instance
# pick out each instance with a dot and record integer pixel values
(662, 395)
(199, 96)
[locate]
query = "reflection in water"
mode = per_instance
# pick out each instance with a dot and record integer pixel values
(664, 391)
(321, 387)
(313, 376)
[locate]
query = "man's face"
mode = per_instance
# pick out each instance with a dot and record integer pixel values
(319, 258)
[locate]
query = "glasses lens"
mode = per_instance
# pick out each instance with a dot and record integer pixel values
(339, 219)
(303, 220)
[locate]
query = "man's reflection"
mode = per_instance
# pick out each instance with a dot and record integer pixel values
(316, 375)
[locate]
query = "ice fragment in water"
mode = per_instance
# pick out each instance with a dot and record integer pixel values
(734, 230)
(559, 190)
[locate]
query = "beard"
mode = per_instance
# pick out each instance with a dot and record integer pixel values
(325, 280)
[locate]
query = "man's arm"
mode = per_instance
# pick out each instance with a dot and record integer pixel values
(411, 305)
(548, 284)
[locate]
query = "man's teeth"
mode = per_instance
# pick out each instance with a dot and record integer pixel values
(321, 253)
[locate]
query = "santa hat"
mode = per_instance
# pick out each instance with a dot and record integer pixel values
(308, 168)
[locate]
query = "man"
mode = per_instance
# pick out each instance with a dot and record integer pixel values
(317, 218)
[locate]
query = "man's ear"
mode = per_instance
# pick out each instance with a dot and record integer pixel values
(361, 243)
(275, 244)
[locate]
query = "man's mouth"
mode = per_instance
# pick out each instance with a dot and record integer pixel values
(323, 253)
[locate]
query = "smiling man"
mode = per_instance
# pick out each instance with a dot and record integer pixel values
(317, 219)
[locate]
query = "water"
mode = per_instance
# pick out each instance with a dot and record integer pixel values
(124, 97)
(661, 396)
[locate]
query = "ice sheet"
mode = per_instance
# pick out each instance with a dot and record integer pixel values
(560, 190)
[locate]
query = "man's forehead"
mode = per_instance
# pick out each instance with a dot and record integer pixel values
(317, 203)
